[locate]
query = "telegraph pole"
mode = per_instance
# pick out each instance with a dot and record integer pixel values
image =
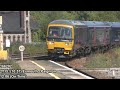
(27, 27)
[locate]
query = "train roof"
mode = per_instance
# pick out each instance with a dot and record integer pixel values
(114, 24)
(87, 23)
(96, 24)
(68, 22)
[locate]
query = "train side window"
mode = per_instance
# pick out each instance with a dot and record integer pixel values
(107, 34)
(76, 32)
(92, 34)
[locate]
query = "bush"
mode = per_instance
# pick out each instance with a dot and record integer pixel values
(31, 49)
(110, 59)
(10, 62)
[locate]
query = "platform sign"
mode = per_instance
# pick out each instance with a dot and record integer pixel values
(21, 48)
(7, 43)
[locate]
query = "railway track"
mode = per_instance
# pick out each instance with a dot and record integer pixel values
(104, 73)
(76, 72)
(26, 56)
(80, 72)
(67, 71)
(111, 72)
(96, 73)
(18, 56)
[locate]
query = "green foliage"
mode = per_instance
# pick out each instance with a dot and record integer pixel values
(34, 49)
(110, 59)
(35, 35)
(103, 16)
(45, 17)
(10, 62)
(98, 61)
(31, 49)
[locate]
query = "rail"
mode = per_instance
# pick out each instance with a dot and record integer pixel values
(26, 56)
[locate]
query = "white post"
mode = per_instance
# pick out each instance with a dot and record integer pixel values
(21, 48)
(8, 46)
(113, 73)
(21, 55)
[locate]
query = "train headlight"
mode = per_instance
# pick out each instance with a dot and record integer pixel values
(51, 42)
(67, 43)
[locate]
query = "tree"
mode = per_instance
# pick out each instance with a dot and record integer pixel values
(45, 17)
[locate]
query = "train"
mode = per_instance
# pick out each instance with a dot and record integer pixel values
(69, 38)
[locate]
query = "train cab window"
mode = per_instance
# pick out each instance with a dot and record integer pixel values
(53, 33)
(66, 33)
(92, 33)
(60, 32)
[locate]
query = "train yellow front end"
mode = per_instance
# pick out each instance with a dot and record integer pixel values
(60, 39)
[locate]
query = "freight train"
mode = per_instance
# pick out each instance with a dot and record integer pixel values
(73, 37)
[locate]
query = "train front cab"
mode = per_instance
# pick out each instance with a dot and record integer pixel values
(60, 40)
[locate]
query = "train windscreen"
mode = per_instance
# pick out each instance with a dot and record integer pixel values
(59, 33)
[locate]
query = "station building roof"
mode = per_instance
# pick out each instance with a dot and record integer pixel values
(12, 22)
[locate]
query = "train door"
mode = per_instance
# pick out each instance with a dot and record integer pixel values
(91, 36)
(107, 36)
(100, 37)
(80, 36)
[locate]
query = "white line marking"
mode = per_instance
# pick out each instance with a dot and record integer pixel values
(72, 70)
(38, 65)
(51, 74)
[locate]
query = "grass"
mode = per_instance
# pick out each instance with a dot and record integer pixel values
(10, 62)
(14, 71)
(110, 59)
(32, 49)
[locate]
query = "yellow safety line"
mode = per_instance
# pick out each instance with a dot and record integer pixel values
(38, 65)
(51, 74)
